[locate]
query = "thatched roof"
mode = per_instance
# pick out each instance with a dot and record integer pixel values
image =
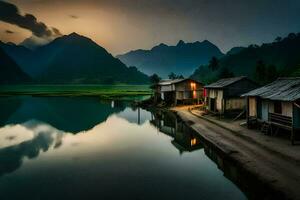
(283, 89)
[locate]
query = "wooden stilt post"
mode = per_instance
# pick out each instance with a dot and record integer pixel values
(139, 115)
(293, 131)
(292, 136)
(247, 111)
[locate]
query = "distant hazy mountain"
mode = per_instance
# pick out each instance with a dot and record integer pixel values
(76, 59)
(284, 54)
(183, 58)
(10, 72)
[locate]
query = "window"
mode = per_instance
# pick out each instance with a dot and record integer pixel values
(277, 107)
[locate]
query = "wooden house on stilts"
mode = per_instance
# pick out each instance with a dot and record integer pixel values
(276, 105)
(179, 91)
(224, 96)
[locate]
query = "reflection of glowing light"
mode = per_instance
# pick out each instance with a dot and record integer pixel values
(194, 94)
(193, 141)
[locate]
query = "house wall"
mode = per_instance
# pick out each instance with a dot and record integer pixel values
(189, 90)
(296, 116)
(271, 107)
(220, 101)
(188, 95)
(265, 110)
(186, 86)
(235, 104)
(167, 88)
(184, 90)
(287, 108)
(180, 95)
(261, 108)
(216, 94)
(252, 107)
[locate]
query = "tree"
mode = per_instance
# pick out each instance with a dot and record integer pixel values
(173, 76)
(213, 63)
(225, 73)
(292, 36)
(260, 72)
(271, 73)
(154, 78)
(278, 39)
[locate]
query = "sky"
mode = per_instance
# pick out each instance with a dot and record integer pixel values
(124, 25)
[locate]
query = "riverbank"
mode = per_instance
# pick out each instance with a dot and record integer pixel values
(267, 163)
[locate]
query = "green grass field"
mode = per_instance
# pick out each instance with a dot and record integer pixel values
(102, 91)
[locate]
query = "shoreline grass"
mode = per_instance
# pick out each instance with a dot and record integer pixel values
(102, 91)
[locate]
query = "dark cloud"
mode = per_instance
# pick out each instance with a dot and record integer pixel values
(9, 32)
(56, 31)
(74, 16)
(10, 13)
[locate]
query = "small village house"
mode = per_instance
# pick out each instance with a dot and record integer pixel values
(179, 91)
(224, 96)
(276, 105)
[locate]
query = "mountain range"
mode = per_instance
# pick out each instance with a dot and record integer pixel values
(73, 59)
(283, 54)
(10, 72)
(181, 59)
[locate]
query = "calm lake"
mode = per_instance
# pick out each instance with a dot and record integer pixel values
(85, 148)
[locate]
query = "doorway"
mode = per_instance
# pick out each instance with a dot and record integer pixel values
(212, 104)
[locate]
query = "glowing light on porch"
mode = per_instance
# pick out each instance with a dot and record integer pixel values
(193, 86)
(193, 141)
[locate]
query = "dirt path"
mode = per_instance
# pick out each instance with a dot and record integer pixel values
(279, 173)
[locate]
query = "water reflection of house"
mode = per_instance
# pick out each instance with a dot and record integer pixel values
(186, 142)
(179, 91)
(183, 138)
(165, 122)
(276, 105)
(224, 96)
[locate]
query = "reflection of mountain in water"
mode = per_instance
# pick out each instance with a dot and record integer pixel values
(183, 138)
(63, 113)
(47, 121)
(8, 106)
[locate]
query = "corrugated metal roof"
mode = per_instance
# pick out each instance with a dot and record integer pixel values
(174, 81)
(170, 81)
(225, 82)
(283, 89)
